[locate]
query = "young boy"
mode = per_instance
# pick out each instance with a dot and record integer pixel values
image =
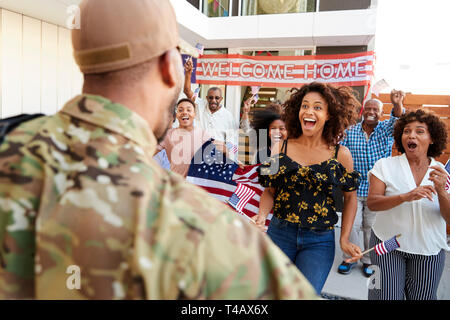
(181, 143)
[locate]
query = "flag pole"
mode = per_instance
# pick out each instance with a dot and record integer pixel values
(367, 251)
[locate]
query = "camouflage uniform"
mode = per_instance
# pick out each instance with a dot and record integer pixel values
(81, 188)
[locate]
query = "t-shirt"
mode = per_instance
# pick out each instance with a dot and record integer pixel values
(181, 145)
(420, 222)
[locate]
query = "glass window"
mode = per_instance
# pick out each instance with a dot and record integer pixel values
(256, 7)
(216, 8)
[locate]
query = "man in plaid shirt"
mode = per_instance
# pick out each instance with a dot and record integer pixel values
(369, 141)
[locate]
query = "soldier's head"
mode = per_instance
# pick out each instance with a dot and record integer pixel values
(129, 52)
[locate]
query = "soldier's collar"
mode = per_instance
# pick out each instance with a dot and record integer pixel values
(114, 117)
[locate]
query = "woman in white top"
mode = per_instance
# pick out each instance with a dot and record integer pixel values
(408, 192)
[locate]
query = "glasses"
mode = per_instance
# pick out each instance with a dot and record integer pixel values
(212, 97)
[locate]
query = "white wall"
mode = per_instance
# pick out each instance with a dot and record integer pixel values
(37, 69)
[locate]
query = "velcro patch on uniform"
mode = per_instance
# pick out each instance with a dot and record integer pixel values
(103, 56)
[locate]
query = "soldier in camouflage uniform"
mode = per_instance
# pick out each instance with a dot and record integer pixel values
(80, 188)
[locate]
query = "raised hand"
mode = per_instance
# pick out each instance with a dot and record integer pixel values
(247, 105)
(397, 97)
(189, 66)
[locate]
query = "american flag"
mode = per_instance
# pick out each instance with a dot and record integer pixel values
(213, 172)
(220, 177)
(248, 176)
(232, 147)
(200, 48)
(387, 246)
(447, 168)
(196, 91)
(240, 197)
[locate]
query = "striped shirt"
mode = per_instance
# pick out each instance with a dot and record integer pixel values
(366, 152)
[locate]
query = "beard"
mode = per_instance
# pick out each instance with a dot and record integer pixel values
(167, 118)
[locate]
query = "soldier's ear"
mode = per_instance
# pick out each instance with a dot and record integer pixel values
(171, 68)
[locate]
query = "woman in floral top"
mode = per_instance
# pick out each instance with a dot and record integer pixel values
(300, 179)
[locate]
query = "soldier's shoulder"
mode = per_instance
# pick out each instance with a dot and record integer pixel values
(26, 130)
(195, 200)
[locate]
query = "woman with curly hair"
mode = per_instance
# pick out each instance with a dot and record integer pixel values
(300, 179)
(270, 130)
(408, 193)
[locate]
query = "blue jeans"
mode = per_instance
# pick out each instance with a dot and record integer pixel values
(312, 251)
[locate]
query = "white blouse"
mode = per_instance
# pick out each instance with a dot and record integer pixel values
(420, 222)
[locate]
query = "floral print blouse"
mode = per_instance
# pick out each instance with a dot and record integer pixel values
(304, 194)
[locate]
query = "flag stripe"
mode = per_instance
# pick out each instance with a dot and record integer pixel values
(238, 188)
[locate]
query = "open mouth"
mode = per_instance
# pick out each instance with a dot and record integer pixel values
(277, 137)
(411, 146)
(185, 118)
(309, 123)
(371, 118)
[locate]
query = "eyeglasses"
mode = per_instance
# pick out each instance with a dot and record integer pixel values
(212, 97)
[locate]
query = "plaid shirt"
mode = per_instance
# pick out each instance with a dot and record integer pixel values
(366, 152)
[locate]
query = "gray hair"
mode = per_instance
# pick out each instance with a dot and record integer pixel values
(377, 101)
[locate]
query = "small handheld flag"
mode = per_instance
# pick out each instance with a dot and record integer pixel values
(447, 168)
(240, 197)
(385, 246)
(255, 89)
(196, 91)
(200, 48)
(232, 147)
(380, 85)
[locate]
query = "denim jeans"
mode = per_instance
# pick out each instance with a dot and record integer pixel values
(312, 251)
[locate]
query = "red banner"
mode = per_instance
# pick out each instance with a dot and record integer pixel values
(354, 69)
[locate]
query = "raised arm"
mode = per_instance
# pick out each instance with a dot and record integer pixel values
(245, 123)
(188, 68)
(397, 97)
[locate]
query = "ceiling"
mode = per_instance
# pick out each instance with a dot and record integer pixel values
(274, 36)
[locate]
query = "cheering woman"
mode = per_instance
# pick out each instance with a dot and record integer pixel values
(300, 179)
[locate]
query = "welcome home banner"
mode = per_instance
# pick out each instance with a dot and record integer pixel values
(355, 69)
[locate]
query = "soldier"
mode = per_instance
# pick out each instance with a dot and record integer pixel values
(86, 213)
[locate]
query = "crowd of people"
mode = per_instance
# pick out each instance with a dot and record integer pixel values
(82, 187)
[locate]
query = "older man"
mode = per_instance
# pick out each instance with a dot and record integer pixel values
(369, 141)
(85, 213)
(212, 116)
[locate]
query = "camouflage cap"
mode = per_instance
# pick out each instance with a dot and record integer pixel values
(117, 34)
